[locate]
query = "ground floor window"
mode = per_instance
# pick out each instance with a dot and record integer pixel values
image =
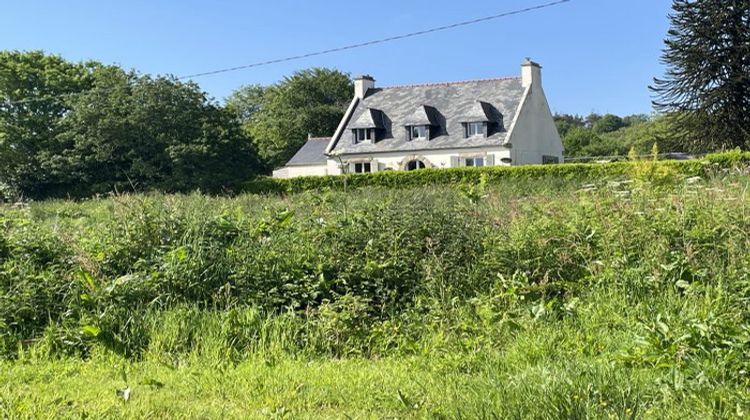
(547, 159)
(414, 165)
(362, 168)
(474, 161)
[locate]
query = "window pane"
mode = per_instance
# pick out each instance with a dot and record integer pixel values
(366, 167)
(469, 162)
(475, 129)
(367, 134)
(357, 167)
(479, 162)
(418, 132)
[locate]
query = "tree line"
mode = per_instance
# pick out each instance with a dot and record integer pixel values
(72, 129)
(611, 135)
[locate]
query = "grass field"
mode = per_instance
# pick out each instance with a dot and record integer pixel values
(621, 298)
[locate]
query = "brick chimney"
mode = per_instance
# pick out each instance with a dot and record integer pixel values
(531, 73)
(362, 84)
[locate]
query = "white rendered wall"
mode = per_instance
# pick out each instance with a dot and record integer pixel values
(432, 158)
(534, 133)
(306, 170)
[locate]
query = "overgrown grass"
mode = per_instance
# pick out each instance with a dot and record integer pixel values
(622, 298)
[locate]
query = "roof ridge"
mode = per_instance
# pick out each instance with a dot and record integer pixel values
(458, 82)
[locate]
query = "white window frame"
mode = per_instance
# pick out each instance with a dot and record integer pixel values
(478, 161)
(419, 129)
(362, 167)
(476, 127)
(363, 134)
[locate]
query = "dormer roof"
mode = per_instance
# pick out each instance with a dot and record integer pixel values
(478, 111)
(423, 115)
(370, 118)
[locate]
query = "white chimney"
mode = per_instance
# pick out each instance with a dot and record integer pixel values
(362, 84)
(531, 73)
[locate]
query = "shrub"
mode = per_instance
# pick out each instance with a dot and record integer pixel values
(652, 172)
(581, 172)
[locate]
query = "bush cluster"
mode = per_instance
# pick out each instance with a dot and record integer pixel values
(371, 272)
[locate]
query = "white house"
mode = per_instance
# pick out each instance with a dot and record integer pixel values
(504, 121)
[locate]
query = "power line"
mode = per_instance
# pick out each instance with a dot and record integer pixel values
(378, 41)
(330, 50)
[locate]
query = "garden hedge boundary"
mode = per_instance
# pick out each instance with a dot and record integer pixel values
(495, 174)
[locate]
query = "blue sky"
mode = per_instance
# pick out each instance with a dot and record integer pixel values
(598, 55)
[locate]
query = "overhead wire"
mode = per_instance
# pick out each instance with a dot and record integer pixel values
(324, 51)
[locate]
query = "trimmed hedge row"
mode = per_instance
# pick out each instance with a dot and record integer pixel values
(494, 174)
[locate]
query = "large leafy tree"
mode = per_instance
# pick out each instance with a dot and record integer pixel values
(608, 123)
(35, 89)
(84, 128)
(246, 101)
(310, 101)
(567, 122)
(707, 83)
(138, 132)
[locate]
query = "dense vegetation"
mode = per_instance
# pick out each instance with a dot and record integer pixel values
(80, 129)
(623, 297)
(280, 117)
(610, 135)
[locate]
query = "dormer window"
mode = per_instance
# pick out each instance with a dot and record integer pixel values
(481, 119)
(362, 134)
(368, 126)
(419, 132)
(423, 124)
(476, 129)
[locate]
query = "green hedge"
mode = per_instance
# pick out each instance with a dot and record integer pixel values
(495, 174)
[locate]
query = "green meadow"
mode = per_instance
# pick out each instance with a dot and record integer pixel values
(615, 297)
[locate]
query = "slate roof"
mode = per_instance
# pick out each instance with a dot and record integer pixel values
(446, 105)
(311, 153)
(370, 118)
(479, 112)
(423, 115)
